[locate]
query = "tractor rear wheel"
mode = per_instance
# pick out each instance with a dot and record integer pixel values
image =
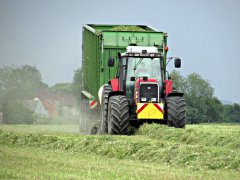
(176, 111)
(104, 109)
(118, 115)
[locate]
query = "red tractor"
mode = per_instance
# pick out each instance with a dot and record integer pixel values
(140, 92)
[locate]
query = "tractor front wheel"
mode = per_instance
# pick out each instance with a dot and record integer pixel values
(176, 111)
(118, 115)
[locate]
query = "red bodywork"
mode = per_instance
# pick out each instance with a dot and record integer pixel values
(168, 87)
(115, 84)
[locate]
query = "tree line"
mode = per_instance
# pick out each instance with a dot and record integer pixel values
(20, 83)
(202, 105)
(16, 85)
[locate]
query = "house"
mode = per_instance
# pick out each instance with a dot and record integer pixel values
(49, 102)
(51, 106)
(59, 104)
(36, 106)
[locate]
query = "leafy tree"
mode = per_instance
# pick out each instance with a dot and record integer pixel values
(232, 113)
(16, 84)
(201, 105)
(16, 113)
(62, 88)
(19, 82)
(196, 86)
(215, 110)
(178, 81)
(194, 115)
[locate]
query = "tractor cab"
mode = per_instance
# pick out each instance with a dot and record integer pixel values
(141, 78)
(139, 66)
(142, 84)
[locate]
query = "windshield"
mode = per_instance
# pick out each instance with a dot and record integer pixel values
(139, 67)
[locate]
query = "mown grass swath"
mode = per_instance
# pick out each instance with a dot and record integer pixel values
(202, 147)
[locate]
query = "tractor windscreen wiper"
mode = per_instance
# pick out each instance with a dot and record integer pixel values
(138, 63)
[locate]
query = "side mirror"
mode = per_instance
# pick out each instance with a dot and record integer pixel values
(111, 62)
(177, 63)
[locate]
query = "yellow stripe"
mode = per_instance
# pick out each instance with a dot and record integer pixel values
(150, 111)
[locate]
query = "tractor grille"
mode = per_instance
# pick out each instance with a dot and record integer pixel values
(148, 92)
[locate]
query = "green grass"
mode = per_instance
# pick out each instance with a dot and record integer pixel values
(43, 129)
(37, 163)
(206, 134)
(198, 151)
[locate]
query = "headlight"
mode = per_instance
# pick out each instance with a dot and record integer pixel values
(143, 99)
(153, 99)
(152, 55)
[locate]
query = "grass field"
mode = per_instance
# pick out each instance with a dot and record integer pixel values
(155, 152)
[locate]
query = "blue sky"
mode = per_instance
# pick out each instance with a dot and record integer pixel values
(47, 33)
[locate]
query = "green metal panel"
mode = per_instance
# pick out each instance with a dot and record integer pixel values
(101, 42)
(90, 62)
(124, 39)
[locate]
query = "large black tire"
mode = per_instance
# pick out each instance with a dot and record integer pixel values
(104, 109)
(118, 115)
(176, 111)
